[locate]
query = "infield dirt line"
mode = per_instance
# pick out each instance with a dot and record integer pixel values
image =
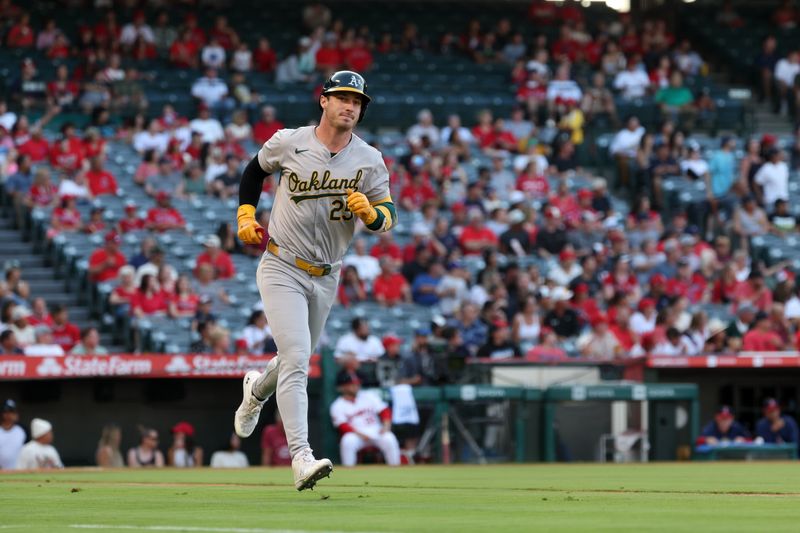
(199, 484)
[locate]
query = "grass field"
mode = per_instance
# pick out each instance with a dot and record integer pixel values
(581, 497)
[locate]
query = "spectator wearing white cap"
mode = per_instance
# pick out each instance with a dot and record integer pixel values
(12, 436)
(23, 330)
(423, 128)
(44, 345)
(39, 452)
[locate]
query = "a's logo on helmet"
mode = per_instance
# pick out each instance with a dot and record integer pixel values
(354, 82)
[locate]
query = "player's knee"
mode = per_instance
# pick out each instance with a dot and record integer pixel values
(350, 441)
(389, 439)
(295, 355)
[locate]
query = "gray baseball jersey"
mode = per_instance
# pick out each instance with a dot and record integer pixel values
(310, 216)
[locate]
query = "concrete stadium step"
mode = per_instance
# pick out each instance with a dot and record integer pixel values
(33, 269)
(78, 314)
(61, 298)
(45, 288)
(12, 247)
(26, 262)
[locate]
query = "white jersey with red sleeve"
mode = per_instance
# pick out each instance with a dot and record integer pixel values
(362, 414)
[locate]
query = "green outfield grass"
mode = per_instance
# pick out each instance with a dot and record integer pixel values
(581, 497)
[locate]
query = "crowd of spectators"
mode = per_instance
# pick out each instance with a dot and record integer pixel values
(602, 283)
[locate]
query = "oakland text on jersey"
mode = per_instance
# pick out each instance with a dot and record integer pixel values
(314, 183)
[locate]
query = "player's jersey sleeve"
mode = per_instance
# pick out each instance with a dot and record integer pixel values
(270, 155)
(338, 416)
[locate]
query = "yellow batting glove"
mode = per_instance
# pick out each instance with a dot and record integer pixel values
(358, 204)
(250, 231)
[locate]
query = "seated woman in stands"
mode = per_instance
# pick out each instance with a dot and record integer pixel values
(184, 301)
(148, 301)
(43, 193)
(65, 218)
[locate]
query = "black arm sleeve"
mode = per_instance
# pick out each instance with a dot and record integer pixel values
(251, 183)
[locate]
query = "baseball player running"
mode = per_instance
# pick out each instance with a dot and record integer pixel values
(328, 177)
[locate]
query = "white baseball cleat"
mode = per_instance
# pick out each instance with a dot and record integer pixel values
(246, 418)
(307, 470)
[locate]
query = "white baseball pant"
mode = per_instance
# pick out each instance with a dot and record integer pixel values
(297, 305)
(387, 443)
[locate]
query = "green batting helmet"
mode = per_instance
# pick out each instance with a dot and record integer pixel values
(348, 81)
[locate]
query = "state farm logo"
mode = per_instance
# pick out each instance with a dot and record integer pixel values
(49, 367)
(178, 365)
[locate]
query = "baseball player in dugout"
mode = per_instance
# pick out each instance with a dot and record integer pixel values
(329, 178)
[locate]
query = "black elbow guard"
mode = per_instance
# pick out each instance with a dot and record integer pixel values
(251, 183)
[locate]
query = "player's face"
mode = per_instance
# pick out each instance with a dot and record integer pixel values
(342, 109)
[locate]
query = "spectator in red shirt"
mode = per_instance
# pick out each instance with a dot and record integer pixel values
(351, 288)
(687, 283)
(386, 247)
(40, 314)
(533, 183)
(264, 57)
(66, 217)
(761, 337)
(65, 333)
(184, 302)
(96, 224)
(274, 446)
(93, 143)
(476, 237)
(62, 91)
(164, 217)
(358, 57)
(64, 155)
(36, 147)
(43, 193)
(483, 131)
(184, 51)
(621, 328)
(390, 287)
(21, 34)
(149, 300)
(543, 12)
(755, 292)
(329, 57)
(104, 263)
(131, 221)
(217, 258)
(100, 180)
(417, 192)
(267, 126)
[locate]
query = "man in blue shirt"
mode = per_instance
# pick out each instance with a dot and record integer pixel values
(473, 331)
(775, 427)
(423, 289)
(17, 186)
(724, 428)
(720, 181)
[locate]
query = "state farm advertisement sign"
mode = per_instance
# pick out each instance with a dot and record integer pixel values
(147, 366)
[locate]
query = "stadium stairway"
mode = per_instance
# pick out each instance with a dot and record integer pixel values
(767, 120)
(43, 279)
